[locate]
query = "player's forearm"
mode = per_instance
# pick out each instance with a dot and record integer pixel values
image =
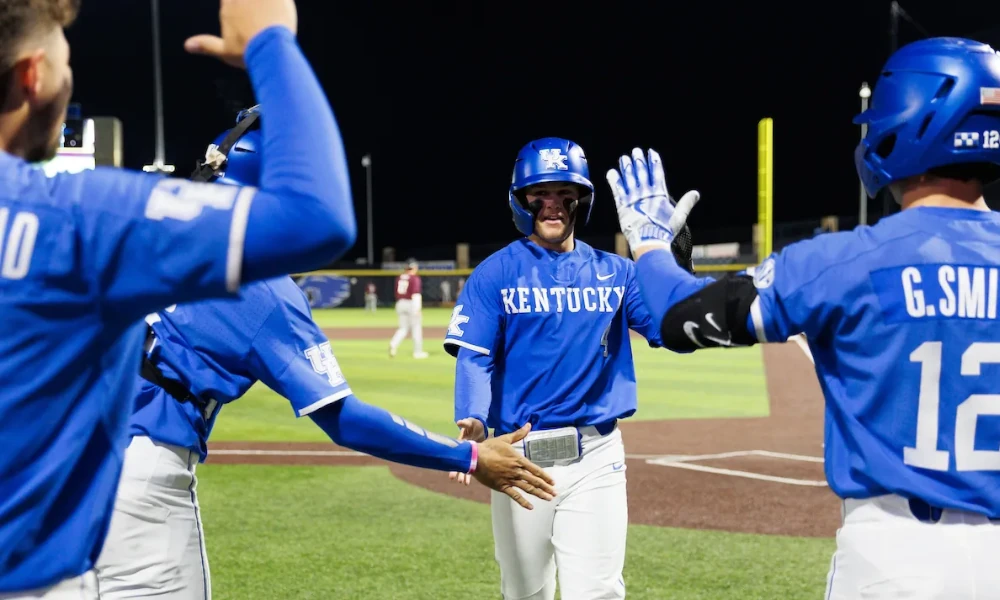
(663, 283)
(353, 424)
(303, 215)
(694, 312)
(473, 385)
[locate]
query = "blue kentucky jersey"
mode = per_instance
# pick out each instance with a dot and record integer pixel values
(902, 322)
(83, 258)
(219, 348)
(557, 326)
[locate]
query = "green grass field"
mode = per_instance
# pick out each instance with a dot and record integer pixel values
(357, 532)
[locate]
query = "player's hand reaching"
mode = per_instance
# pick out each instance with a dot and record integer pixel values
(469, 429)
(241, 21)
(646, 213)
(504, 469)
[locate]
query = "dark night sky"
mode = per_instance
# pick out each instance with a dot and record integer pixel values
(444, 97)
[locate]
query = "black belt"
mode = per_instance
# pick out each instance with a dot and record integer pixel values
(154, 375)
(928, 513)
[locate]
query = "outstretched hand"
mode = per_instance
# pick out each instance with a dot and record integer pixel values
(646, 213)
(240, 21)
(504, 469)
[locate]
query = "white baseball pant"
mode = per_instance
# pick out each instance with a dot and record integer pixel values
(409, 323)
(155, 546)
(371, 302)
(884, 551)
(579, 536)
(83, 587)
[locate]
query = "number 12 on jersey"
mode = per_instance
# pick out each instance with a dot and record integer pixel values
(925, 453)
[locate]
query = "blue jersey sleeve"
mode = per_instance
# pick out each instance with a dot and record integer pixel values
(473, 386)
(476, 321)
(793, 290)
(292, 356)
(639, 319)
(149, 241)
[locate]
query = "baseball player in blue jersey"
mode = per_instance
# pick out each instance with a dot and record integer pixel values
(901, 319)
(85, 256)
(541, 334)
(202, 355)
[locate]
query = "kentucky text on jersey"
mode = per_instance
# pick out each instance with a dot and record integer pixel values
(573, 299)
(949, 291)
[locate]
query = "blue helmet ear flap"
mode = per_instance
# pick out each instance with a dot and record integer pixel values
(524, 219)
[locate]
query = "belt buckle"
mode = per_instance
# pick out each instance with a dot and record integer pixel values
(554, 445)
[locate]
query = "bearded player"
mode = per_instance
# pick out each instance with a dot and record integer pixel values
(203, 355)
(87, 255)
(901, 319)
(541, 333)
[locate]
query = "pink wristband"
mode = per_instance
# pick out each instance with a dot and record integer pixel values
(475, 457)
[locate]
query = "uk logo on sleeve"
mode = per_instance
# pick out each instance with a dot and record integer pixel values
(457, 320)
(325, 363)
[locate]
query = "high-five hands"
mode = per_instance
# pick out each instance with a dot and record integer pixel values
(504, 469)
(646, 213)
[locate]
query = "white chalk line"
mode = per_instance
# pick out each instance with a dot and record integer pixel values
(233, 452)
(745, 474)
(688, 462)
(671, 457)
(340, 453)
(679, 461)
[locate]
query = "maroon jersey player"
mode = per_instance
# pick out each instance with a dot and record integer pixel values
(409, 311)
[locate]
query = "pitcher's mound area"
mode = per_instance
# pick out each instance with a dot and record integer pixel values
(756, 475)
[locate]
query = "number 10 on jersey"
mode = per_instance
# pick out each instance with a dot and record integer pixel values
(925, 453)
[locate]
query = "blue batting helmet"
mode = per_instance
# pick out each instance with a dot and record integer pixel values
(543, 160)
(936, 103)
(234, 156)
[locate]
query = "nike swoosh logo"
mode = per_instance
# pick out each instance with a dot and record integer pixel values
(711, 321)
(690, 326)
(605, 277)
(616, 466)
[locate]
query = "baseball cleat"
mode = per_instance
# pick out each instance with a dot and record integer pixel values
(392, 352)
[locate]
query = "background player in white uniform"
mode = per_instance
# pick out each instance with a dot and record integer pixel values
(901, 319)
(203, 355)
(541, 332)
(87, 255)
(408, 289)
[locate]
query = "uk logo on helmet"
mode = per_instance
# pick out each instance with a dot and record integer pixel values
(554, 159)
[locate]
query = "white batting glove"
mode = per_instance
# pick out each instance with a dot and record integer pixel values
(646, 214)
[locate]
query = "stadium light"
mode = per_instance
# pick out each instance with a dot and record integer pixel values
(159, 162)
(366, 162)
